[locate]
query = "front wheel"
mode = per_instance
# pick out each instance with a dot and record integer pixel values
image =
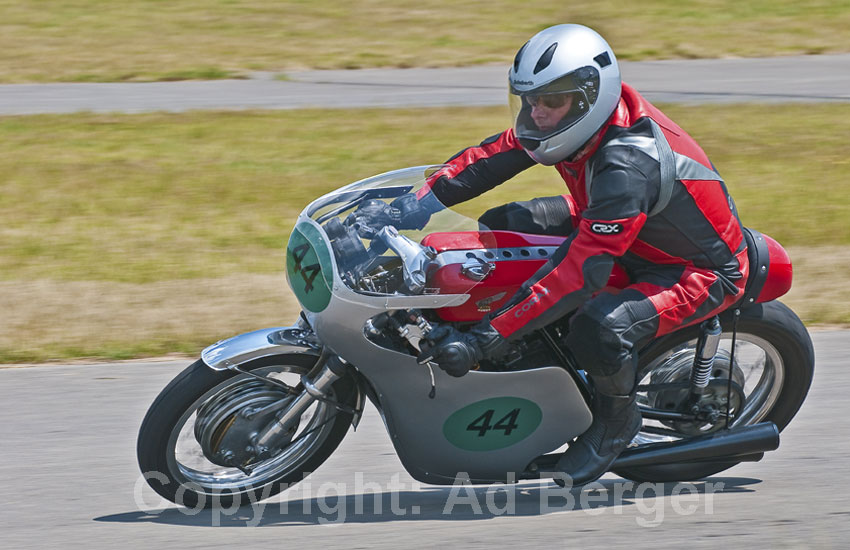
(193, 424)
(772, 371)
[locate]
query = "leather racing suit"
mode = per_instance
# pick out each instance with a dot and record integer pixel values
(642, 193)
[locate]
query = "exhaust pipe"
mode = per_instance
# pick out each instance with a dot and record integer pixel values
(742, 444)
(746, 440)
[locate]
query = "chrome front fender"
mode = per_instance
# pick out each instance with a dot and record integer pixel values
(232, 352)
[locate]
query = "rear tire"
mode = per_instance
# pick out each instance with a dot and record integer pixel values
(772, 322)
(184, 481)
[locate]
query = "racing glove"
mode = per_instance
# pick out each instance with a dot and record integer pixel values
(456, 352)
(405, 212)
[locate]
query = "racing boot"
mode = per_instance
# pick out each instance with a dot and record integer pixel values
(616, 421)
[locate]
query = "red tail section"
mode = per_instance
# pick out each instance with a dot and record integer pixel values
(779, 272)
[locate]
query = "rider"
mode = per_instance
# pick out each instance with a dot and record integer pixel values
(642, 192)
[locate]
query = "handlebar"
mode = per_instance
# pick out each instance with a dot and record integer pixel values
(414, 256)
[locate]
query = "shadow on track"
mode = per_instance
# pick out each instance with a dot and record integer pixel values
(457, 503)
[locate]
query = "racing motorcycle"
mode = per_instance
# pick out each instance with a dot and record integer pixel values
(260, 411)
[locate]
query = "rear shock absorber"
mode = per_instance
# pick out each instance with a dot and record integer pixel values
(709, 339)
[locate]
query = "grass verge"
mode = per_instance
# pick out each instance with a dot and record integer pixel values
(86, 40)
(102, 320)
(136, 235)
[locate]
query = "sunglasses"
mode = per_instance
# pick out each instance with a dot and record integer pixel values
(551, 101)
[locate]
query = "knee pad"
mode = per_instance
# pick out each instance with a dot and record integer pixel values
(543, 216)
(598, 349)
(507, 217)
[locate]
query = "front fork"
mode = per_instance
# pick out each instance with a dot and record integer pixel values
(276, 423)
(316, 388)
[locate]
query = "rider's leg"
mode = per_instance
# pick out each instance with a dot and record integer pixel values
(604, 337)
(541, 216)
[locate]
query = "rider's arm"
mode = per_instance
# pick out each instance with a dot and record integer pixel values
(477, 169)
(620, 196)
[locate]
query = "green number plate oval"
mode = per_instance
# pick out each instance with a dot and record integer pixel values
(492, 424)
(309, 268)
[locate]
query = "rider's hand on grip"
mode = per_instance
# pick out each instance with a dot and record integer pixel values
(405, 212)
(371, 216)
(414, 215)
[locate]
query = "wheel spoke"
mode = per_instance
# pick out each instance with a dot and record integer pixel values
(188, 462)
(757, 376)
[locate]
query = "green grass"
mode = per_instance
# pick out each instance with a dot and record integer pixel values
(137, 198)
(85, 40)
(127, 235)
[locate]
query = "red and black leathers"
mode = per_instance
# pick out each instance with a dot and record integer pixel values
(643, 193)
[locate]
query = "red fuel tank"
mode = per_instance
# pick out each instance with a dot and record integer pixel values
(502, 260)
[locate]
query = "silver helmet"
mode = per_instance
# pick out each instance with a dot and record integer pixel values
(564, 85)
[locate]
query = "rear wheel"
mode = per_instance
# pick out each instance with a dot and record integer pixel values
(193, 428)
(772, 371)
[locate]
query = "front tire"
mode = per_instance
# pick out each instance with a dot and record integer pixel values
(173, 461)
(775, 394)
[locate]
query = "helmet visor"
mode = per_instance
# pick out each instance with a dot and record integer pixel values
(550, 109)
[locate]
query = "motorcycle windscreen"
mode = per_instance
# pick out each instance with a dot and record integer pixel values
(384, 255)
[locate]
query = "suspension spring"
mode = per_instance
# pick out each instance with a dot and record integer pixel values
(709, 339)
(701, 372)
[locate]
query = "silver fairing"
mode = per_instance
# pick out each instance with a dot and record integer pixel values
(416, 422)
(485, 424)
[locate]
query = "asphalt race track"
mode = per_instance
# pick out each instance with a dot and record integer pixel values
(781, 79)
(70, 481)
